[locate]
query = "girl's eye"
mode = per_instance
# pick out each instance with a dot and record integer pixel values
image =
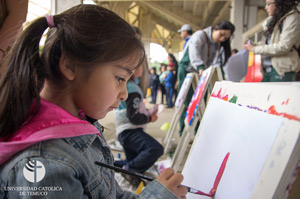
(120, 79)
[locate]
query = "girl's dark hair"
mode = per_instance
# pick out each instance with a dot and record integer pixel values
(138, 31)
(225, 25)
(162, 65)
(88, 35)
(153, 68)
(282, 8)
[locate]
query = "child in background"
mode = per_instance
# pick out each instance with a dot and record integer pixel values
(48, 100)
(131, 117)
(173, 60)
(162, 76)
(169, 84)
(153, 84)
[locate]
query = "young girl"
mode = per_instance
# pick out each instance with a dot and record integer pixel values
(169, 84)
(162, 76)
(49, 141)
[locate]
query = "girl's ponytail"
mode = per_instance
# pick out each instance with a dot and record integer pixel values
(22, 77)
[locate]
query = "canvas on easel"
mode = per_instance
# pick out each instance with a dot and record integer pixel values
(193, 115)
(191, 79)
(260, 129)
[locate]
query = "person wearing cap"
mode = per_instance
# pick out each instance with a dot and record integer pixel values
(185, 33)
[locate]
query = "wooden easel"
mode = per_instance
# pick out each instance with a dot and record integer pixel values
(189, 129)
(190, 80)
(281, 168)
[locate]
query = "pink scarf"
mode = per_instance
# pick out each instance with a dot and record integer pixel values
(51, 122)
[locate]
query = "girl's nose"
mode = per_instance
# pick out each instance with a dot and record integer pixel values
(123, 94)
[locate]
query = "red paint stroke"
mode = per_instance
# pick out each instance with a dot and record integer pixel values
(285, 102)
(225, 98)
(217, 95)
(273, 111)
(192, 108)
(216, 183)
(219, 175)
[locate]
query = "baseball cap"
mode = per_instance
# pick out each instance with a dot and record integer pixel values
(185, 27)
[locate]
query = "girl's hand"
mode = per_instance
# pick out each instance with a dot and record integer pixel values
(248, 47)
(172, 181)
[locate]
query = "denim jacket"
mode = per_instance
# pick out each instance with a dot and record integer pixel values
(64, 168)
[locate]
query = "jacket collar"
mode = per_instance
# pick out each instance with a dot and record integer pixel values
(51, 122)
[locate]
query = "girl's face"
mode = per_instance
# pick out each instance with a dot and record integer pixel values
(270, 7)
(152, 71)
(105, 88)
(220, 35)
(138, 72)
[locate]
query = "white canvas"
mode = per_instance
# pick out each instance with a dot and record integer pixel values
(247, 134)
(183, 91)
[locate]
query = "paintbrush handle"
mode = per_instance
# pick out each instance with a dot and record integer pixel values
(118, 169)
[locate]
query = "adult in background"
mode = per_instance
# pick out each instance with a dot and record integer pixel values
(12, 16)
(186, 32)
(280, 48)
(200, 53)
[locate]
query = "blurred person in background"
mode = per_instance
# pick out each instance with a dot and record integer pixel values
(280, 47)
(153, 84)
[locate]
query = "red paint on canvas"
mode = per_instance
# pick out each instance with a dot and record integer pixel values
(273, 111)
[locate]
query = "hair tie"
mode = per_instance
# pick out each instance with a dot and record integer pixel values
(50, 21)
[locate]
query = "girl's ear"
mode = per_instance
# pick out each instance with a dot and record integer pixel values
(66, 69)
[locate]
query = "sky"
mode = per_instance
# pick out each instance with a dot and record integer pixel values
(158, 53)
